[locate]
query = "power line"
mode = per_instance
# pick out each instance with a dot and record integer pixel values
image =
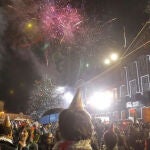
(135, 38)
(114, 66)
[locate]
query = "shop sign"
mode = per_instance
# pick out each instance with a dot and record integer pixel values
(132, 104)
(128, 104)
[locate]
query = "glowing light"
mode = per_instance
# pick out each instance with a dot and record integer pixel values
(68, 97)
(101, 100)
(29, 25)
(60, 89)
(103, 119)
(11, 92)
(114, 57)
(87, 65)
(107, 61)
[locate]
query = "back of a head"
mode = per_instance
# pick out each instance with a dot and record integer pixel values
(5, 130)
(110, 139)
(75, 125)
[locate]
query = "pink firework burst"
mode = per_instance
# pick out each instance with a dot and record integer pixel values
(60, 23)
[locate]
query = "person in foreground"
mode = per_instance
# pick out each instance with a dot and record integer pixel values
(6, 142)
(75, 127)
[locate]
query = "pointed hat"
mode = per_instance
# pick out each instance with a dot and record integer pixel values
(7, 122)
(76, 103)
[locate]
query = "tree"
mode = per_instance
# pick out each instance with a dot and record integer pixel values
(44, 97)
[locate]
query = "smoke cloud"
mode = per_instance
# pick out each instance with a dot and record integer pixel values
(3, 26)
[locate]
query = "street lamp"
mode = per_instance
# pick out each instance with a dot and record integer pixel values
(107, 61)
(114, 56)
(29, 25)
(87, 65)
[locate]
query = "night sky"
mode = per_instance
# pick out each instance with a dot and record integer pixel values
(21, 65)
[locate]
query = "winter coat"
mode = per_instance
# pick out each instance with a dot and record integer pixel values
(6, 144)
(73, 145)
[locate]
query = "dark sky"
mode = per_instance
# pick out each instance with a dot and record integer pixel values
(19, 69)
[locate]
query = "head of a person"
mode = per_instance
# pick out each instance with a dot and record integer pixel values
(47, 139)
(75, 125)
(50, 138)
(5, 130)
(24, 135)
(110, 139)
(57, 136)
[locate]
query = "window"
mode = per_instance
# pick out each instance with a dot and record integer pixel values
(132, 71)
(123, 91)
(145, 83)
(133, 87)
(123, 76)
(143, 65)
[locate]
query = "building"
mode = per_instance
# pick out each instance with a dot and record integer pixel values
(129, 79)
(134, 86)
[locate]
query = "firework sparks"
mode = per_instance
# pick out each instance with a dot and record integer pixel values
(60, 23)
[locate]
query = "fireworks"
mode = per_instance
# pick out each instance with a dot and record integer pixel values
(44, 20)
(60, 23)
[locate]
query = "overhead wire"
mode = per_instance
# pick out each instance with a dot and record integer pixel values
(114, 66)
(126, 51)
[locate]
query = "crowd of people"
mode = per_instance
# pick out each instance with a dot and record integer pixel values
(75, 130)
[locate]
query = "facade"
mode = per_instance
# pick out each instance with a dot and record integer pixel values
(133, 89)
(135, 86)
(129, 79)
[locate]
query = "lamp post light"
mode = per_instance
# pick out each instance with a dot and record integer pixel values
(87, 65)
(29, 25)
(107, 61)
(114, 56)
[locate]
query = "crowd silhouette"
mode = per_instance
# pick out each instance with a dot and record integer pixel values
(75, 130)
